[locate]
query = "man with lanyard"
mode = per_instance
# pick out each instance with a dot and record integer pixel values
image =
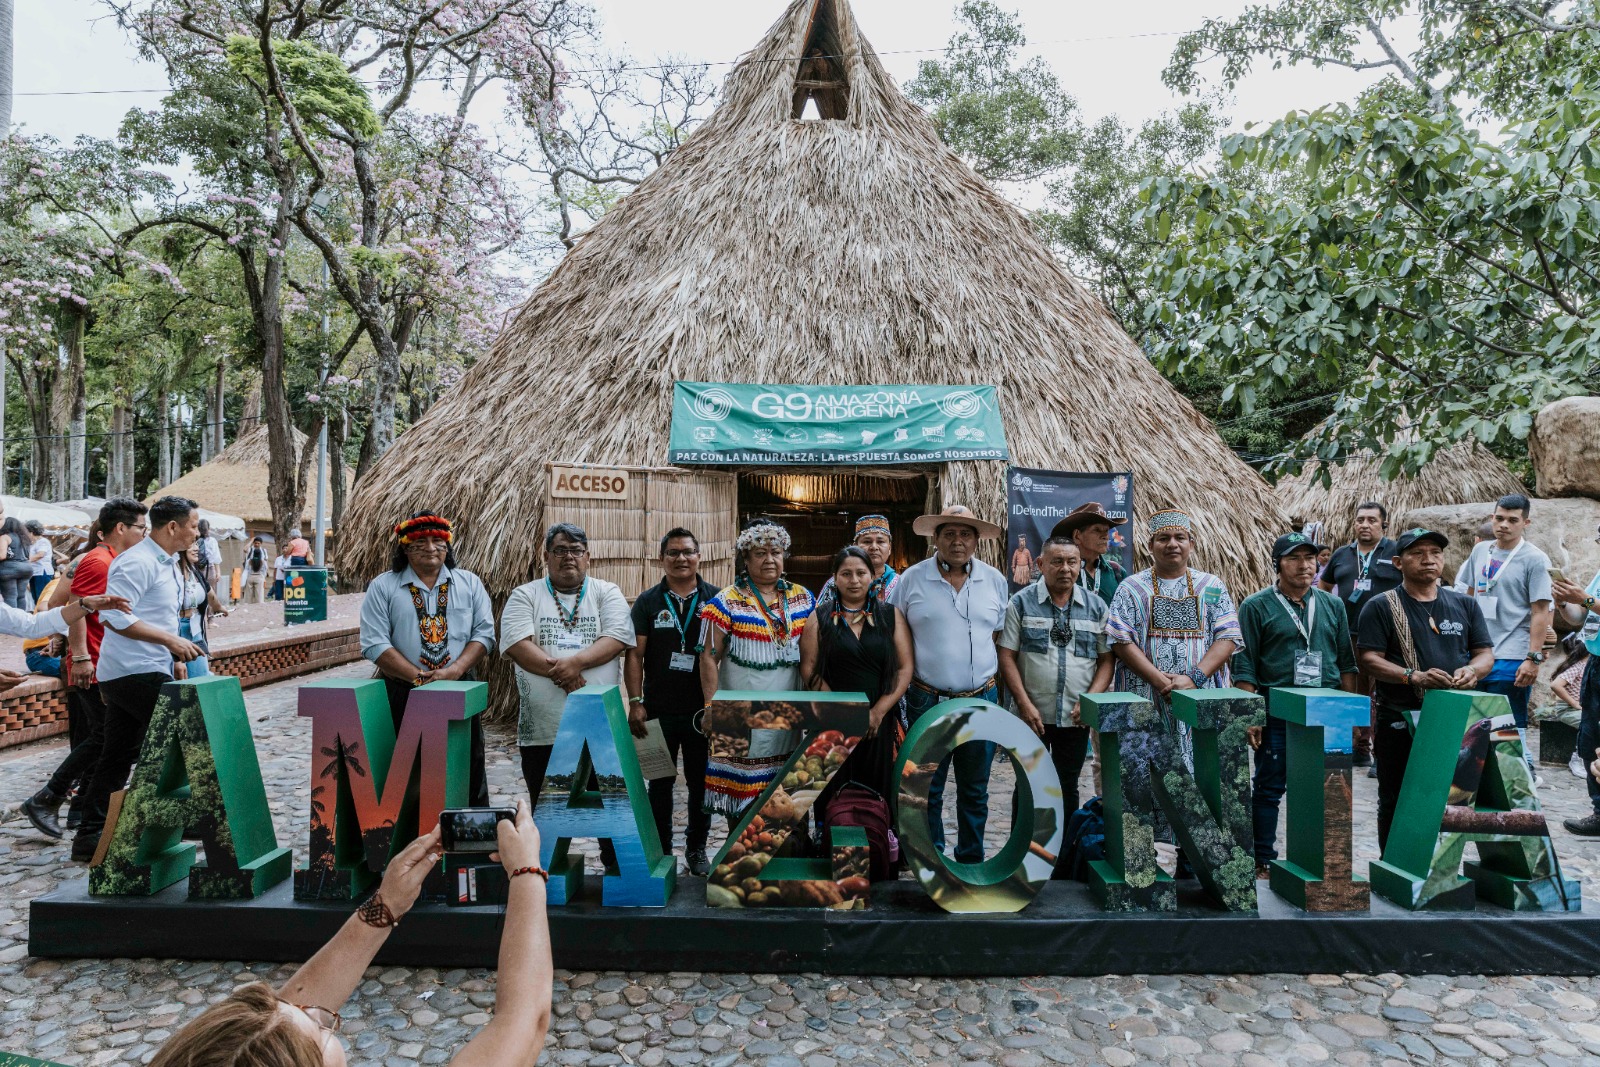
(1510, 579)
(663, 676)
(1417, 637)
(873, 538)
(955, 606)
(1294, 635)
(1089, 527)
(563, 631)
(1053, 650)
(428, 620)
(1581, 606)
(140, 652)
(1358, 573)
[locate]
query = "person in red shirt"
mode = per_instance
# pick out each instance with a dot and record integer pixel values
(122, 525)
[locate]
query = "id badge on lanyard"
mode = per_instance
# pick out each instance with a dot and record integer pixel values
(1488, 603)
(1307, 663)
(569, 641)
(1307, 669)
(681, 661)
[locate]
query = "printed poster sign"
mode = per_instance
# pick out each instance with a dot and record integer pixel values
(1037, 499)
(727, 423)
(305, 595)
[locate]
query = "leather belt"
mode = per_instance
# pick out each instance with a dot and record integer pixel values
(926, 688)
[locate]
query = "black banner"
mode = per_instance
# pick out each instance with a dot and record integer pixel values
(1037, 499)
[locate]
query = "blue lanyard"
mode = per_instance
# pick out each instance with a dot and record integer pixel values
(682, 624)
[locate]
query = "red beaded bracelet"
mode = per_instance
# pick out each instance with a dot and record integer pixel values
(540, 871)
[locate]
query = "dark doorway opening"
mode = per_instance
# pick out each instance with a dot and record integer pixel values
(819, 508)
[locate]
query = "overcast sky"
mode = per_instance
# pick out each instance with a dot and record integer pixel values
(1109, 56)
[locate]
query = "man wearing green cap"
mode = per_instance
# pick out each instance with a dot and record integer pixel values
(1294, 635)
(1413, 639)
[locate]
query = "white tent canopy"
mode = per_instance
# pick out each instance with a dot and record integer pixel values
(57, 519)
(223, 527)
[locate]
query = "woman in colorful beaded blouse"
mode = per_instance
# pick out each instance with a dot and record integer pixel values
(752, 628)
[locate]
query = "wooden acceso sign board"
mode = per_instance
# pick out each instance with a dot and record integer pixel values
(625, 522)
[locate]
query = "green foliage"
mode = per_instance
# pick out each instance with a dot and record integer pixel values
(327, 97)
(1011, 122)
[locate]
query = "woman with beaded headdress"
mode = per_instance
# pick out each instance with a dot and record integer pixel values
(752, 628)
(1171, 627)
(427, 620)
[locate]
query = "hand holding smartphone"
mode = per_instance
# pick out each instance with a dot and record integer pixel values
(473, 829)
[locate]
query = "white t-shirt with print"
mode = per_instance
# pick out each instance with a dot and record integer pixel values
(531, 611)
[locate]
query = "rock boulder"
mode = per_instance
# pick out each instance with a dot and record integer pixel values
(1565, 448)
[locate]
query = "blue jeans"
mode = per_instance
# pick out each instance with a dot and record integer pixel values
(39, 663)
(972, 762)
(198, 668)
(1501, 680)
(1266, 791)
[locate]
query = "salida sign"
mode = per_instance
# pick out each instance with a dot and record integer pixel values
(724, 422)
(373, 790)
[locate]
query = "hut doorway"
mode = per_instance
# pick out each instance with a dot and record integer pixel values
(819, 508)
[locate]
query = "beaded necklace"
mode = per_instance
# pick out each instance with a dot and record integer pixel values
(779, 626)
(568, 622)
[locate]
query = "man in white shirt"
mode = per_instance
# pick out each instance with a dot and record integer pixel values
(140, 653)
(1510, 579)
(563, 631)
(955, 605)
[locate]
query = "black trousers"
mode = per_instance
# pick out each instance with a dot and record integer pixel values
(535, 762)
(680, 735)
(86, 716)
(1069, 747)
(129, 703)
(478, 780)
(1391, 745)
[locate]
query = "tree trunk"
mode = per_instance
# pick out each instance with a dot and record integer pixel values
(163, 440)
(336, 468)
(116, 465)
(67, 408)
(176, 470)
(219, 441)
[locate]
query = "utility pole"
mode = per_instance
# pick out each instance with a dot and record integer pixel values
(322, 437)
(7, 10)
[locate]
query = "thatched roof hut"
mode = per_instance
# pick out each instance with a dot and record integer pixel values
(853, 248)
(1461, 474)
(234, 481)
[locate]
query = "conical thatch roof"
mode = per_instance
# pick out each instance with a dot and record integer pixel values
(234, 481)
(1461, 474)
(768, 249)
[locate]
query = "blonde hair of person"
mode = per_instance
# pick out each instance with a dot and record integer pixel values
(248, 1029)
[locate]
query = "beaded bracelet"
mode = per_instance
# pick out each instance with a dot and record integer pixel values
(376, 913)
(540, 871)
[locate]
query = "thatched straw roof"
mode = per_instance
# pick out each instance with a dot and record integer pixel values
(1461, 474)
(235, 480)
(768, 249)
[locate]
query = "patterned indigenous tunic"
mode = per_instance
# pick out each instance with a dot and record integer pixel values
(1172, 626)
(763, 651)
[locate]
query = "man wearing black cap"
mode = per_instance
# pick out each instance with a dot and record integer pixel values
(1089, 527)
(1413, 639)
(1294, 635)
(1358, 573)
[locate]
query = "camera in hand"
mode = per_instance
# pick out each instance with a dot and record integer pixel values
(472, 829)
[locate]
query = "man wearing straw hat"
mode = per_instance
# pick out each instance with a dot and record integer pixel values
(955, 605)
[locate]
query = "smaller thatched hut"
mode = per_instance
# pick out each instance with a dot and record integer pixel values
(235, 482)
(1460, 474)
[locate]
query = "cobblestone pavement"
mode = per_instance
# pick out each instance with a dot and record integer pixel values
(106, 1011)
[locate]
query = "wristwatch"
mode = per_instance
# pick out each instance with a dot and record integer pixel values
(1537, 657)
(636, 700)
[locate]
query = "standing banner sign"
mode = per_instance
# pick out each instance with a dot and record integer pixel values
(719, 422)
(1037, 499)
(305, 595)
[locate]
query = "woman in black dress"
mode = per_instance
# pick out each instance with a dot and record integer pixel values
(856, 644)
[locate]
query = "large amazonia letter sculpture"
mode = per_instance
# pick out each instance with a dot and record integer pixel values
(372, 792)
(1010, 879)
(1320, 724)
(1142, 769)
(1467, 781)
(197, 776)
(783, 748)
(594, 789)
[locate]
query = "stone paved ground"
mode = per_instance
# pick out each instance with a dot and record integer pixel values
(106, 1011)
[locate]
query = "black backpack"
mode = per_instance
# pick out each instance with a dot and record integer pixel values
(1084, 840)
(258, 560)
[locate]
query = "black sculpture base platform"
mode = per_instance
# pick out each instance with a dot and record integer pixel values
(903, 933)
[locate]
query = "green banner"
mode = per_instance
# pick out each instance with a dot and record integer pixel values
(721, 422)
(305, 595)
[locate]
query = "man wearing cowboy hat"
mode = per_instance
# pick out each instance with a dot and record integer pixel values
(955, 605)
(1089, 527)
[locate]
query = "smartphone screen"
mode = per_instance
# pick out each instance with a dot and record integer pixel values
(472, 829)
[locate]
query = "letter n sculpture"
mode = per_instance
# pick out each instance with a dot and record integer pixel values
(197, 775)
(594, 789)
(1319, 730)
(373, 790)
(1467, 782)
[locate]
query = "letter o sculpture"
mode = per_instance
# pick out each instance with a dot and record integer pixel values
(1009, 880)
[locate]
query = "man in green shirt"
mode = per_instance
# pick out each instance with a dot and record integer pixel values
(1089, 527)
(1297, 636)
